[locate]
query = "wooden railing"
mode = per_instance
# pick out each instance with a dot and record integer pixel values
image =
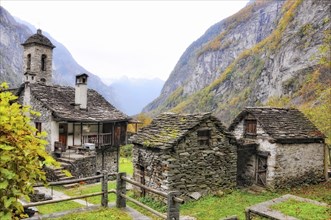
(104, 188)
(173, 201)
(97, 139)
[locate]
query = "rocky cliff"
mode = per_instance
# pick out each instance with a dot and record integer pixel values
(269, 53)
(13, 33)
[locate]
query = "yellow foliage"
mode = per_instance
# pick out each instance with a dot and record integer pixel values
(143, 119)
(22, 155)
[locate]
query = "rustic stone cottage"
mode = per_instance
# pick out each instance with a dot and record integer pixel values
(77, 118)
(190, 153)
(278, 148)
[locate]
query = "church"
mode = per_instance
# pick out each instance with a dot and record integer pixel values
(84, 130)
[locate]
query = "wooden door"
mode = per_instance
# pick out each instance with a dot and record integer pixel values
(261, 171)
(117, 136)
(63, 134)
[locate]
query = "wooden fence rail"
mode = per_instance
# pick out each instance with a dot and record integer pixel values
(173, 201)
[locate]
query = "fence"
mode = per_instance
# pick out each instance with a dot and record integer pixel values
(173, 201)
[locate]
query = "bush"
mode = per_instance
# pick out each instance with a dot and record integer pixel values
(126, 151)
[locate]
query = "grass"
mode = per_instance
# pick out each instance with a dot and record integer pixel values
(126, 166)
(58, 207)
(320, 192)
(209, 207)
(100, 214)
(93, 188)
(303, 210)
(213, 207)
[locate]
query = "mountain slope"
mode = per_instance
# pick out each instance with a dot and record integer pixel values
(206, 58)
(65, 68)
(136, 93)
(288, 65)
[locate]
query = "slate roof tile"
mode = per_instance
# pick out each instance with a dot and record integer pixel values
(39, 38)
(168, 128)
(60, 100)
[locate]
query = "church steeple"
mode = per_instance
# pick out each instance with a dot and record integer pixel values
(38, 57)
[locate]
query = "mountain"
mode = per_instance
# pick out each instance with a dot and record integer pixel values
(137, 93)
(269, 53)
(14, 32)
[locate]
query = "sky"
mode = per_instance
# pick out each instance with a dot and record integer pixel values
(111, 39)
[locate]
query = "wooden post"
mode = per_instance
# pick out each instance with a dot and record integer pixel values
(120, 189)
(104, 198)
(247, 214)
(173, 206)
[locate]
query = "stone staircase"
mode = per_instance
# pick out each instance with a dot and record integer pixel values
(38, 196)
(60, 173)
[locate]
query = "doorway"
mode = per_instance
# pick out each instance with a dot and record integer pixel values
(63, 134)
(261, 170)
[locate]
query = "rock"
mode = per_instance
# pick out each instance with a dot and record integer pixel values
(195, 195)
(219, 193)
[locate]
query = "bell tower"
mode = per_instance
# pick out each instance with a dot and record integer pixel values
(38, 57)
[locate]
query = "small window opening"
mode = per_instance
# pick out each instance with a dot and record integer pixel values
(250, 127)
(43, 80)
(43, 62)
(204, 137)
(38, 126)
(29, 62)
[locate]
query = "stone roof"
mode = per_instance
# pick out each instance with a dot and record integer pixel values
(168, 128)
(284, 125)
(39, 38)
(60, 100)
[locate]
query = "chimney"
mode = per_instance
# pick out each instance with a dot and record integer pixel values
(81, 91)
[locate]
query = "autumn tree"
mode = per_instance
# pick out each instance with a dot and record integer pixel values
(143, 120)
(22, 155)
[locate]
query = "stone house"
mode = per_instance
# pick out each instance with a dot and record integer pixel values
(190, 153)
(74, 117)
(278, 148)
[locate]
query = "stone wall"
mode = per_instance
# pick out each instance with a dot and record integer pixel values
(45, 118)
(92, 165)
(110, 157)
(299, 163)
(260, 133)
(36, 54)
(246, 165)
(190, 167)
(83, 167)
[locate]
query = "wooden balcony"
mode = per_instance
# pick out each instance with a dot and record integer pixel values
(100, 139)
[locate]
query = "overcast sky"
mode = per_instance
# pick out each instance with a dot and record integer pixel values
(140, 39)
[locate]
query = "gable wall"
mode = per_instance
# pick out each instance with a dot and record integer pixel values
(48, 125)
(239, 131)
(202, 168)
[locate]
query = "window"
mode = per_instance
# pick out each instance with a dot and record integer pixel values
(43, 62)
(38, 126)
(28, 65)
(250, 127)
(204, 136)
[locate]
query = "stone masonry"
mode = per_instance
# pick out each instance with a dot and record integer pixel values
(189, 166)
